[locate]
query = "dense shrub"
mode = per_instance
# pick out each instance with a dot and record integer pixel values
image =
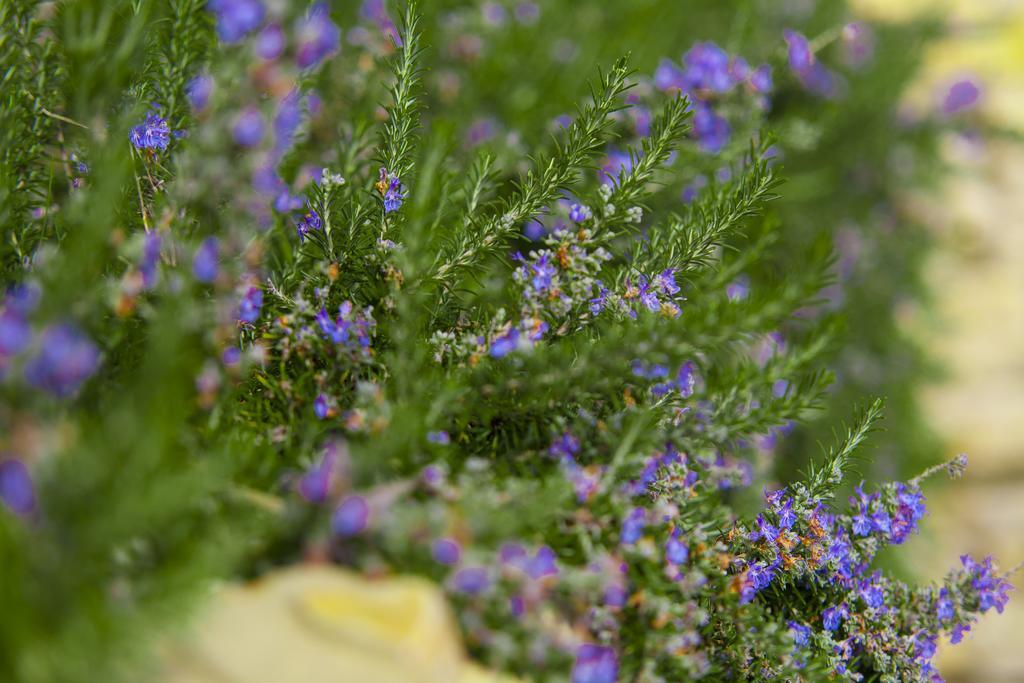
(543, 343)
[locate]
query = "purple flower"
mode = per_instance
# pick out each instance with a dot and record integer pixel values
(16, 489)
(542, 564)
(615, 595)
(249, 308)
(320, 406)
(833, 617)
(394, 196)
(991, 589)
(579, 213)
(236, 18)
(494, 14)
(65, 360)
(598, 303)
(307, 224)
(270, 42)
(666, 281)
(669, 76)
(801, 633)
(482, 130)
(150, 258)
(595, 664)
(315, 484)
(779, 388)
(205, 262)
(152, 133)
(872, 593)
(787, 518)
(446, 551)
(15, 332)
(440, 438)
(633, 526)
(676, 551)
(707, 68)
(944, 606)
(648, 295)
(957, 633)
(351, 517)
(801, 58)
(248, 128)
(712, 130)
(961, 96)
(761, 79)
(199, 90)
(505, 344)
(318, 36)
(471, 580)
(564, 446)
(686, 379)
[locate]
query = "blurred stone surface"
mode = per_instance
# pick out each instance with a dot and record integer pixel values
(320, 624)
(975, 330)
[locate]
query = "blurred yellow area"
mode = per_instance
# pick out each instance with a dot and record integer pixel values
(321, 624)
(986, 41)
(975, 329)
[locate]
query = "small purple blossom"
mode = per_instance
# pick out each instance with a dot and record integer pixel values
(471, 580)
(310, 222)
(199, 90)
(711, 129)
(961, 96)
(315, 484)
(16, 489)
(270, 42)
(801, 58)
(446, 551)
(205, 262)
(392, 190)
(579, 213)
(440, 438)
(66, 358)
(248, 127)
(801, 633)
(595, 664)
(833, 617)
(542, 564)
(250, 306)
(236, 18)
(318, 36)
(321, 406)
(351, 517)
(633, 526)
(152, 133)
(992, 590)
(676, 550)
(505, 344)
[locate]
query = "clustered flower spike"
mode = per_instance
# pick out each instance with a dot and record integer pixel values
(152, 134)
(351, 328)
(706, 75)
(391, 189)
(310, 222)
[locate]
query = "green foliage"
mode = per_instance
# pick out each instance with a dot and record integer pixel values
(397, 353)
